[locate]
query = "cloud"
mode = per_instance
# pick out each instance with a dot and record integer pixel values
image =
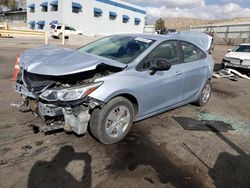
(229, 10)
(169, 3)
(181, 3)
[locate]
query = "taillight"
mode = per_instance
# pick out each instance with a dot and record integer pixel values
(55, 30)
(16, 68)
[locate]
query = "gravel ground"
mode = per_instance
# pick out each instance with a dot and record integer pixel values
(158, 152)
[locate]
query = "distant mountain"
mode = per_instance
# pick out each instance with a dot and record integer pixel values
(182, 23)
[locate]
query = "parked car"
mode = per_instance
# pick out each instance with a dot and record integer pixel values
(115, 81)
(56, 31)
(238, 57)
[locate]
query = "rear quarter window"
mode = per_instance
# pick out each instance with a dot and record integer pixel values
(191, 52)
(59, 27)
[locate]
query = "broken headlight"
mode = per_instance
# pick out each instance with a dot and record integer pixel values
(69, 94)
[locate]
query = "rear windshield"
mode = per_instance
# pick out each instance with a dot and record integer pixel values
(243, 48)
(120, 48)
(53, 27)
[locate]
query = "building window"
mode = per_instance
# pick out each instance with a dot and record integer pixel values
(40, 24)
(32, 7)
(32, 24)
(44, 6)
(137, 21)
(97, 12)
(125, 18)
(112, 15)
(76, 7)
(54, 6)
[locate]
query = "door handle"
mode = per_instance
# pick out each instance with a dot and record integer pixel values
(178, 73)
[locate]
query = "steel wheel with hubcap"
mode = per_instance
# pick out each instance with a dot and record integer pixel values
(111, 123)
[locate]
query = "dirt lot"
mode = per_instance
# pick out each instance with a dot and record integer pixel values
(158, 152)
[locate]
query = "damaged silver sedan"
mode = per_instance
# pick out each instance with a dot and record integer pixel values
(111, 83)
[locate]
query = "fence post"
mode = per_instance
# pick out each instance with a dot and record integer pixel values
(63, 34)
(46, 37)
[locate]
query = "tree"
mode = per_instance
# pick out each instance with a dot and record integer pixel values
(11, 4)
(160, 24)
(22, 3)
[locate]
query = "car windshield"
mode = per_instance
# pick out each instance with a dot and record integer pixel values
(120, 48)
(243, 48)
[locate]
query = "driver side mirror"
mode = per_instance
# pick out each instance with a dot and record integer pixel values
(229, 50)
(160, 65)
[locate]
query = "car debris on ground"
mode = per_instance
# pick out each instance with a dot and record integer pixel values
(230, 74)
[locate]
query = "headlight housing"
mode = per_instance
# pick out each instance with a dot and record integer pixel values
(226, 59)
(69, 94)
(246, 62)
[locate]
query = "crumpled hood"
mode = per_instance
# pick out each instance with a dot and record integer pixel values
(239, 55)
(57, 61)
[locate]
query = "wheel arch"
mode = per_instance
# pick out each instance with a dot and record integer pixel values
(132, 99)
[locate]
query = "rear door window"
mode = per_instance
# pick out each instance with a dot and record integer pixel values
(71, 28)
(191, 52)
(59, 27)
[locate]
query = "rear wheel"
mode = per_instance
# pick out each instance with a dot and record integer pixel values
(112, 123)
(205, 94)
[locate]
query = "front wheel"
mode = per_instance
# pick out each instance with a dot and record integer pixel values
(111, 123)
(205, 94)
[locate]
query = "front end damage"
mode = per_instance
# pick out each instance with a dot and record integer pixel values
(61, 101)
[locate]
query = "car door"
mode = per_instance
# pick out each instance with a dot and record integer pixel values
(72, 31)
(195, 69)
(67, 31)
(162, 89)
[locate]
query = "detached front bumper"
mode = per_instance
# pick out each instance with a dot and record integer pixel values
(75, 119)
(236, 63)
(72, 116)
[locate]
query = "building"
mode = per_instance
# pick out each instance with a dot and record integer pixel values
(13, 16)
(93, 17)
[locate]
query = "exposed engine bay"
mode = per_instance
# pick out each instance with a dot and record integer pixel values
(61, 101)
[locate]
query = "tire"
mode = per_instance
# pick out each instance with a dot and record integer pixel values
(106, 130)
(205, 94)
(60, 36)
(223, 66)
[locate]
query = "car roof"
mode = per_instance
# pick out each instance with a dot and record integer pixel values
(59, 24)
(200, 39)
(148, 36)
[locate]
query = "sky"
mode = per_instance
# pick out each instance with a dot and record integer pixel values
(206, 9)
